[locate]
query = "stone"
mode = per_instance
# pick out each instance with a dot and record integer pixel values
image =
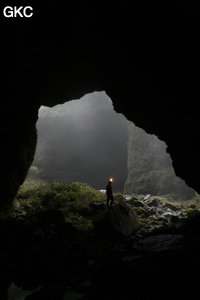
(171, 206)
(97, 207)
(193, 213)
(146, 197)
(120, 220)
(136, 203)
(174, 219)
(161, 242)
(154, 203)
(192, 206)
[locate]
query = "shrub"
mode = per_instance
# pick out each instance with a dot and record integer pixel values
(72, 199)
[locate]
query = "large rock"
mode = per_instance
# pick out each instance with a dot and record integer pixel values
(161, 242)
(120, 220)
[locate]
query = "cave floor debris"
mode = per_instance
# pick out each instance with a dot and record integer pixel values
(63, 261)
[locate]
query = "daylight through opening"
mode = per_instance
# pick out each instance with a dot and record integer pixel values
(86, 141)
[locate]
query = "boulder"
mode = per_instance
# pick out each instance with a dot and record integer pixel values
(97, 207)
(135, 202)
(154, 203)
(172, 207)
(120, 220)
(193, 206)
(161, 242)
(193, 213)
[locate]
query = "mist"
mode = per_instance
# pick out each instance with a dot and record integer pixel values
(86, 141)
(83, 140)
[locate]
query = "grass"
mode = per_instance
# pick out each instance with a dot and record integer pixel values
(74, 200)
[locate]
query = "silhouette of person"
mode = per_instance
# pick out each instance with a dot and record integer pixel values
(109, 194)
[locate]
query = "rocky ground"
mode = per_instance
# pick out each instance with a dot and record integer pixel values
(44, 257)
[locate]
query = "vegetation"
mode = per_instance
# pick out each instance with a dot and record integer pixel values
(162, 210)
(73, 200)
(78, 202)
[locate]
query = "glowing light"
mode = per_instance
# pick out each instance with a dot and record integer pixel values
(110, 179)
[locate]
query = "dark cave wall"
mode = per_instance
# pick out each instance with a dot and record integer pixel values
(19, 138)
(147, 65)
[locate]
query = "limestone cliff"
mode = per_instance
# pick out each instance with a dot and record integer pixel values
(150, 168)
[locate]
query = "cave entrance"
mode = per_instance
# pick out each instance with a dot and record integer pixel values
(86, 140)
(83, 140)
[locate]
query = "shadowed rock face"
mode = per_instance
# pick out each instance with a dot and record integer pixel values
(120, 220)
(150, 168)
(147, 68)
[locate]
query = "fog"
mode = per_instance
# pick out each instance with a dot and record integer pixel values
(83, 140)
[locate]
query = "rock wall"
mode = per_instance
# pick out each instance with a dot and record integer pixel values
(150, 169)
(19, 137)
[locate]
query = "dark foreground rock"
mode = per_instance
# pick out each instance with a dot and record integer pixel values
(120, 220)
(161, 242)
(58, 262)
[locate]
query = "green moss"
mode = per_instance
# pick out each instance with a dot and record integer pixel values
(72, 199)
(141, 212)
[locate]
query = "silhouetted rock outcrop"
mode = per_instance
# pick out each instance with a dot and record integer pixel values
(120, 220)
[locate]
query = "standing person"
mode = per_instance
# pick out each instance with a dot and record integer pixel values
(109, 194)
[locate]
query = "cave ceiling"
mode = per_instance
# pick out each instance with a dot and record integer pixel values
(144, 55)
